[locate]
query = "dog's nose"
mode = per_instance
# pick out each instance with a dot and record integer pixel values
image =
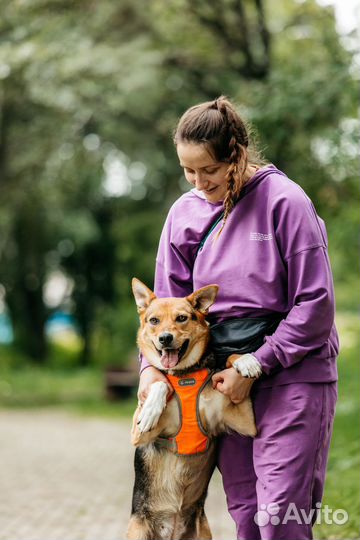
(166, 338)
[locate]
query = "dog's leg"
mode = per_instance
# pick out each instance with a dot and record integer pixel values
(138, 529)
(202, 527)
(138, 438)
(197, 527)
(240, 418)
(153, 406)
(135, 433)
(146, 426)
(250, 366)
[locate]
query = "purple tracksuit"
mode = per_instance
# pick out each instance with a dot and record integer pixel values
(271, 258)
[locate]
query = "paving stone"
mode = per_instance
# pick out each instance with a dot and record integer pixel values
(66, 477)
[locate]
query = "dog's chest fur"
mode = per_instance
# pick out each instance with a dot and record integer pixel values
(177, 482)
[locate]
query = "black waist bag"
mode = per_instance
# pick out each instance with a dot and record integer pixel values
(240, 336)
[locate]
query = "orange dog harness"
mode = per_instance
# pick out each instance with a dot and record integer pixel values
(191, 437)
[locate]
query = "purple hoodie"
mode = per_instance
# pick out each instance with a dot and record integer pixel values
(270, 258)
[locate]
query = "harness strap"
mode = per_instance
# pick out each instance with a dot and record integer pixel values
(207, 234)
(191, 437)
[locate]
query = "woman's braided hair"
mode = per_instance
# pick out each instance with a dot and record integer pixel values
(218, 125)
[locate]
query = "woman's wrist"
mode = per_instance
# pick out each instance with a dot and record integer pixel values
(248, 366)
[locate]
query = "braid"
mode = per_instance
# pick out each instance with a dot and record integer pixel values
(218, 125)
(238, 158)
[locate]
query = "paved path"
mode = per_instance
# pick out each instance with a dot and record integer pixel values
(65, 477)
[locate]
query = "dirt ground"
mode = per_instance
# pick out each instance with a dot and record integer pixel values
(66, 477)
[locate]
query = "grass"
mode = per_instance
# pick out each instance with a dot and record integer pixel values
(82, 391)
(343, 473)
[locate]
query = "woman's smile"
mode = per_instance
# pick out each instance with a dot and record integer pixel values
(202, 171)
(210, 190)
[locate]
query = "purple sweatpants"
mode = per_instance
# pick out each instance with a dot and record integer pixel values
(285, 463)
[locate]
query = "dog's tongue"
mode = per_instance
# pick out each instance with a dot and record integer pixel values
(169, 358)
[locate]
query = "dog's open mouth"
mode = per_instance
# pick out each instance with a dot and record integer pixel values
(171, 357)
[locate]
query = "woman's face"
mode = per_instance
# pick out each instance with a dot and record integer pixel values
(202, 171)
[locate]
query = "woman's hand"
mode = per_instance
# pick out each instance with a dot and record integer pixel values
(147, 378)
(232, 384)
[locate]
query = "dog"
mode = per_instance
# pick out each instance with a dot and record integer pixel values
(174, 458)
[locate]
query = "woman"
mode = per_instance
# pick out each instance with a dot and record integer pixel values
(254, 232)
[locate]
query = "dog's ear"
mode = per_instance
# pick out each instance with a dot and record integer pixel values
(203, 298)
(143, 295)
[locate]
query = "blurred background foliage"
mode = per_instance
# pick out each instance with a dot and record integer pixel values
(89, 96)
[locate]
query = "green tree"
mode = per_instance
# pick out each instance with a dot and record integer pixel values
(90, 94)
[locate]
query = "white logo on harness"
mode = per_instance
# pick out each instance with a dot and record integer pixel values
(186, 382)
(260, 237)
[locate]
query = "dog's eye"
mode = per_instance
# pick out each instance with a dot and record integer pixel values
(154, 320)
(181, 318)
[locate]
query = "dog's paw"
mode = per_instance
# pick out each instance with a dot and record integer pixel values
(135, 436)
(153, 407)
(248, 366)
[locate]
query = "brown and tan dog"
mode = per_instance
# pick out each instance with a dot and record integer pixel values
(170, 485)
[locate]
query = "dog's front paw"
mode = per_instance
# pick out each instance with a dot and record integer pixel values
(149, 419)
(248, 366)
(135, 436)
(153, 407)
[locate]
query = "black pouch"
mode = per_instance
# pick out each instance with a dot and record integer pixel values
(240, 336)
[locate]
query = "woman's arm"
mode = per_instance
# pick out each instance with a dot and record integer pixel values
(302, 243)
(309, 322)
